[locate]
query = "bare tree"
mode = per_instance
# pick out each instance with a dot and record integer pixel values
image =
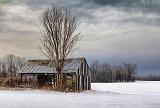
(10, 61)
(20, 61)
(1, 62)
(2, 68)
(4, 73)
(58, 36)
(131, 70)
(13, 64)
(94, 70)
(121, 74)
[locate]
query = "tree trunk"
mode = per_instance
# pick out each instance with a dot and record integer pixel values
(59, 80)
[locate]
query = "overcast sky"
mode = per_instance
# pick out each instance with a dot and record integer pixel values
(112, 31)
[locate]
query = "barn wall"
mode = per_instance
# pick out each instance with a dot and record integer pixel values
(83, 77)
(27, 77)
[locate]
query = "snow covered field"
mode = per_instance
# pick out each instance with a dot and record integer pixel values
(138, 87)
(108, 95)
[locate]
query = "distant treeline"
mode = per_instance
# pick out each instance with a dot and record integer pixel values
(149, 78)
(104, 72)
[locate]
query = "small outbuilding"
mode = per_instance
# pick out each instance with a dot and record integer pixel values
(76, 72)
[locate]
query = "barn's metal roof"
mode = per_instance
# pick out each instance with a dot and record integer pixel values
(43, 66)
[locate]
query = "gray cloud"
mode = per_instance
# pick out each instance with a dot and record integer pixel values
(151, 5)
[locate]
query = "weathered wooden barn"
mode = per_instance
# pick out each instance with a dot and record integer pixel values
(77, 72)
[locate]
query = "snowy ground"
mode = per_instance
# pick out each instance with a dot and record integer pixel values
(109, 95)
(138, 87)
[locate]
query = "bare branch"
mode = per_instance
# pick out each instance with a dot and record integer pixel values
(59, 35)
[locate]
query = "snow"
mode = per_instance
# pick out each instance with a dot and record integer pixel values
(103, 95)
(138, 87)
